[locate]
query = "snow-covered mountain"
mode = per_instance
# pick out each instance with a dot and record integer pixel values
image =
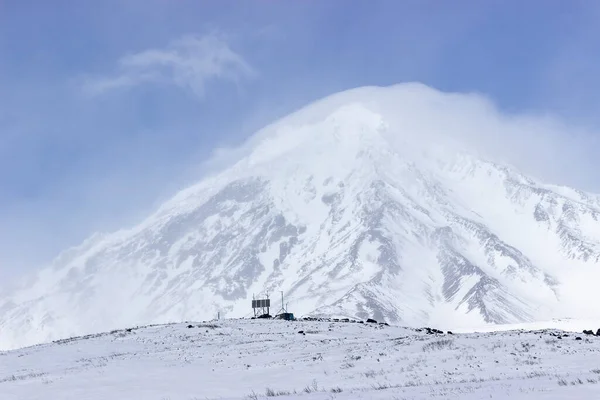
(353, 206)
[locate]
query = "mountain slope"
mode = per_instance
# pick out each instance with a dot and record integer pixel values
(352, 209)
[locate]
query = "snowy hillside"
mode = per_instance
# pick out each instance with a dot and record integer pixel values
(257, 359)
(356, 206)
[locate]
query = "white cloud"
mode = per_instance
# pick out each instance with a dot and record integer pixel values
(540, 145)
(189, 62)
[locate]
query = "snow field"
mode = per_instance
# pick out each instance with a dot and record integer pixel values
(258, 359)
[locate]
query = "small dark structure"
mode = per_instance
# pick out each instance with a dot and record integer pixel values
(287, 316)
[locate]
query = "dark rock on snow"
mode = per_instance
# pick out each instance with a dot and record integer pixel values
(431, 331)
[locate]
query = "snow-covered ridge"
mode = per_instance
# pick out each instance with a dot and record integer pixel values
(238, 359)
(356, 206)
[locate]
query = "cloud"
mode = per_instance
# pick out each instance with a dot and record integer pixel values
(189, 62)
(422, 117)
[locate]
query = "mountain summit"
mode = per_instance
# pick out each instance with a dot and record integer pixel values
(358, 205)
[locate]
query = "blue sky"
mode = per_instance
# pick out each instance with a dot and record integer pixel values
(108, 107)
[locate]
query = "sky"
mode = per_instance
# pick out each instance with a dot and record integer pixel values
(107, 108)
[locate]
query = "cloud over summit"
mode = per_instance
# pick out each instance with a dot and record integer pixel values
(189, 62)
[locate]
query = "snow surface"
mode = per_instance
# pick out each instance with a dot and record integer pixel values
(247, 359)
(359, 205)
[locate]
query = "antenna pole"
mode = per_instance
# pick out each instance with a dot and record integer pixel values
(283, 310)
